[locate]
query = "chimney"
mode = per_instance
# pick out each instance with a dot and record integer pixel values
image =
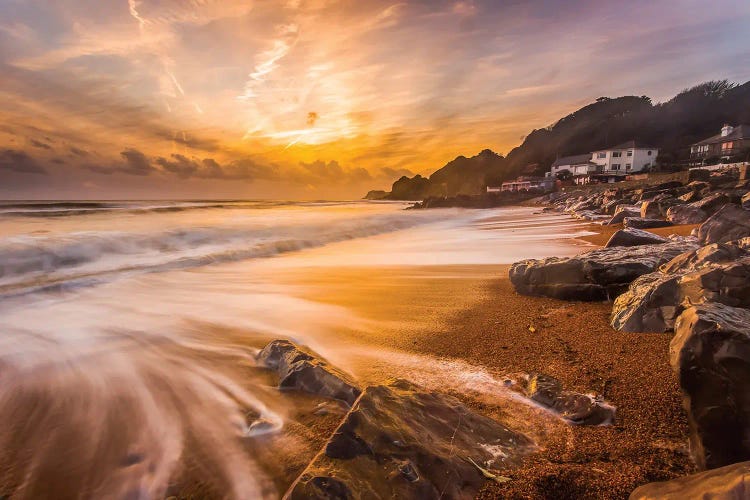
(726, 130)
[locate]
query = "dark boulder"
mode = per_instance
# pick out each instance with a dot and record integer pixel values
(711, 354)
(595, 275)
(579, 409)
(686, 214)
(399, 441)
(301, 369)
(653, 301)
(731, 482)
(630, 237)
(644, 223)
(729, 223)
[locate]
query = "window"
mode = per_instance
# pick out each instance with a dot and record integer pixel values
(726, 145)
(628, 166)
(630, 153)
(616, 154)
(615, 166)
(601, 155)
(649, 153)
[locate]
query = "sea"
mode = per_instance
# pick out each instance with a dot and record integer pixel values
(129, 329)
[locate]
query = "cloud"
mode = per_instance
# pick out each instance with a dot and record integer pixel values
(39, 144)
(19, 161)
(136, 163)
(78, 151)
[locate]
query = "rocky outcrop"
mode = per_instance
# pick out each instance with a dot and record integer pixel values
(596, 275)
(301, 369)
(725, 483)
(653, 301)
(729, 223)
(399, 441)
(644, 223)
(580, 409)
(630, 237)
(376, 194)
(746, 201)
(711, 354)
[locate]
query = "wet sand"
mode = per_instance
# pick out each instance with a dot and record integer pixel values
(472, 314)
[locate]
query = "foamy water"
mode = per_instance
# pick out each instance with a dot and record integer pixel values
(129, 329)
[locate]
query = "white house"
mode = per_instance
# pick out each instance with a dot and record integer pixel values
(576, 165)
(624, 158)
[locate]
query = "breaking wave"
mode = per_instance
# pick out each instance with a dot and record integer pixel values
(34, 261)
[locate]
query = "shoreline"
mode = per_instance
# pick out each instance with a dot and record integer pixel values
(573, 342)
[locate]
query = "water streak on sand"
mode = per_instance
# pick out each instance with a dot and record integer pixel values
(117, 389)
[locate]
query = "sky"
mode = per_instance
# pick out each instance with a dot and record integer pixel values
(320, 99)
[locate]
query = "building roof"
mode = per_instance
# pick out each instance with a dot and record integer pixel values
(572, 160)
(632, 144)
(738, 133)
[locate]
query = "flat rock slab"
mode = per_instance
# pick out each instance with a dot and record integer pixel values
(399, 441)
(725, 483)
(595, 275)
(630, 237)
(711, 354)
(302, 369)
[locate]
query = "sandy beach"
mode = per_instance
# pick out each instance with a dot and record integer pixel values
(472, 314)
(171, 328)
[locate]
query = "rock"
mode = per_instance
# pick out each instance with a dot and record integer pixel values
(731, 482)
(301, 369)
(621, 213)
(746, 201)
(650, 209)
(399, 441)
(690, 197)
(708, 255)
(653, 301)
(633, 237)
(700, 187)
(658, 206)
(595, 275)
(729, 223)
(686, 214)
(711, 354)
(580, 409)
(642, 223)
(712, 203)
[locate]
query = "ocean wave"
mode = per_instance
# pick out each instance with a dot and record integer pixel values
(76, 208)
(44, 261)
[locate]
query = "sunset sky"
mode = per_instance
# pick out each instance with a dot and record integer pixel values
(319, 99)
